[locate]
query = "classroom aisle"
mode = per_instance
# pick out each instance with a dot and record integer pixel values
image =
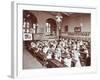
(30, 62)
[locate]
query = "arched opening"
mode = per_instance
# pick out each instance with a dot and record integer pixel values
(66, 28)
(29, 22)
(29, 17)
(51, 26)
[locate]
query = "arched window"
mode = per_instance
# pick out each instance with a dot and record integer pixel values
(51, 26)
(29, 22)
(48, 27)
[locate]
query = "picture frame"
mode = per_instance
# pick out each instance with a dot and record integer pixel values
(27, 36)
(77, 29)
(17, 41)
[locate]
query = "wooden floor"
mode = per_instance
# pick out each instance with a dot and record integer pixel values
(30, 62)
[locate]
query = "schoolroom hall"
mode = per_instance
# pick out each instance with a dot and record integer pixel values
(56, 39)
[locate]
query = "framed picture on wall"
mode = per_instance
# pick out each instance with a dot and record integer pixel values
(27, 36)
(77, 29)
(56, 54)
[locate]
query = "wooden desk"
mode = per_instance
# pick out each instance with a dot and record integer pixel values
(53, 63)
(83, 58)
(42, 56)
(32, 51)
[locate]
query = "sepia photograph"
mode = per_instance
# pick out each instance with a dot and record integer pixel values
(53, 40)
(56, 39)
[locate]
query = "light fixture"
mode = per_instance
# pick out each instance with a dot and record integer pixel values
(59, 18)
